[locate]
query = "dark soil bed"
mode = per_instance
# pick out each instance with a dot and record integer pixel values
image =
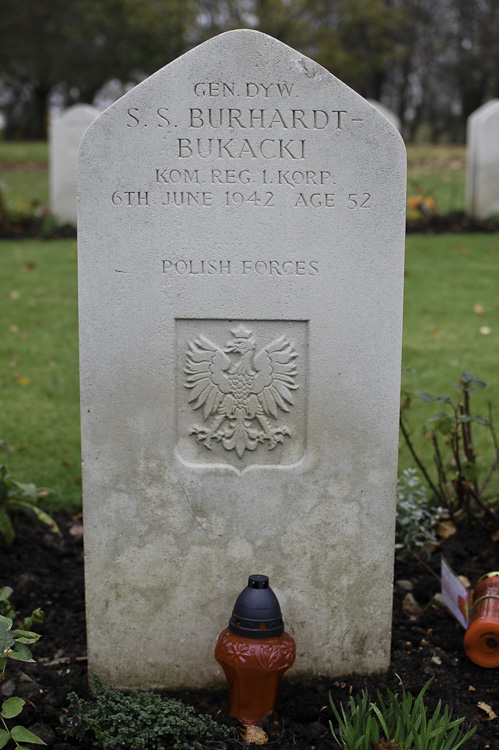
(455, 222)
(32, 227)
(426, 642)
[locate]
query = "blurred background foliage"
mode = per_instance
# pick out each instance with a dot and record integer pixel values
(433, 62)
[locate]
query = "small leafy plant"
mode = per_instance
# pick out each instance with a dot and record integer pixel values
(138, 721)
(457, 486)
(420, 207)
(7, 609)
(16, 496)
(14, 644)
(399, 724)
(417, 520)
(25, 218)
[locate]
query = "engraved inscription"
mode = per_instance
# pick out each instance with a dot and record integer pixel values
(259, 267)
(240, 391)
(252, 136)
(250, 89)
(294, 119)
(175, 188)
(241, 148)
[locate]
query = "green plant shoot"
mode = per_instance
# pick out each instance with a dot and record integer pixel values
(14, 644)
(461, 484)
(403, 722)
(17, 496)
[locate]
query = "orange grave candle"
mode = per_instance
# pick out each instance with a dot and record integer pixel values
(254, 652)
(481, 640)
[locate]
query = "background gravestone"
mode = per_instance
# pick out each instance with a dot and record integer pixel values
(387, 112)
(66, 131)
(241, 234)
(482, 185)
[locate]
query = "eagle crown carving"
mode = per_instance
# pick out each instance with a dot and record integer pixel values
(240, 391)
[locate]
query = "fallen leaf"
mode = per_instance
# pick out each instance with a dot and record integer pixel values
(14, 329)
(423, 204)
(436, 331)
(472, 689)
(22, 380)
(253, 736)
(14, 295)
(485, 330)
(488, 710)
(76, 530)
(479, 310)
(446, 529)
(414, 201)
(495, 536)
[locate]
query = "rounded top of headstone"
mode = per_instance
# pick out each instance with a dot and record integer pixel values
(219, 67)
(257, 613)
(79, 113)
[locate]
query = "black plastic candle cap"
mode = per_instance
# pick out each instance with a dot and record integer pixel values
(257, 613)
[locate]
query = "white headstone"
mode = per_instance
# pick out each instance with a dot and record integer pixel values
(66, 131)
(241, 239)
(387, 112)
(482, 184)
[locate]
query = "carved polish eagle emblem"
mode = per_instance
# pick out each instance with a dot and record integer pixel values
(240, 391)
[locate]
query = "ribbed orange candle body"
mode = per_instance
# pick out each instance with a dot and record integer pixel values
(253, 669)
(481, 640)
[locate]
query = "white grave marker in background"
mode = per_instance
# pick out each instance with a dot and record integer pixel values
(241, 240)
(482, 186)
(66, 131)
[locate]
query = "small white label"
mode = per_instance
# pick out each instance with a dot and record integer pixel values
(454, 594)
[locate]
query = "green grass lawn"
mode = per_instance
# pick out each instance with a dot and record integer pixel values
(24, 153)
(24, 177)
(39, 365)
(451, 325)
(451, 322)
(439, 172)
